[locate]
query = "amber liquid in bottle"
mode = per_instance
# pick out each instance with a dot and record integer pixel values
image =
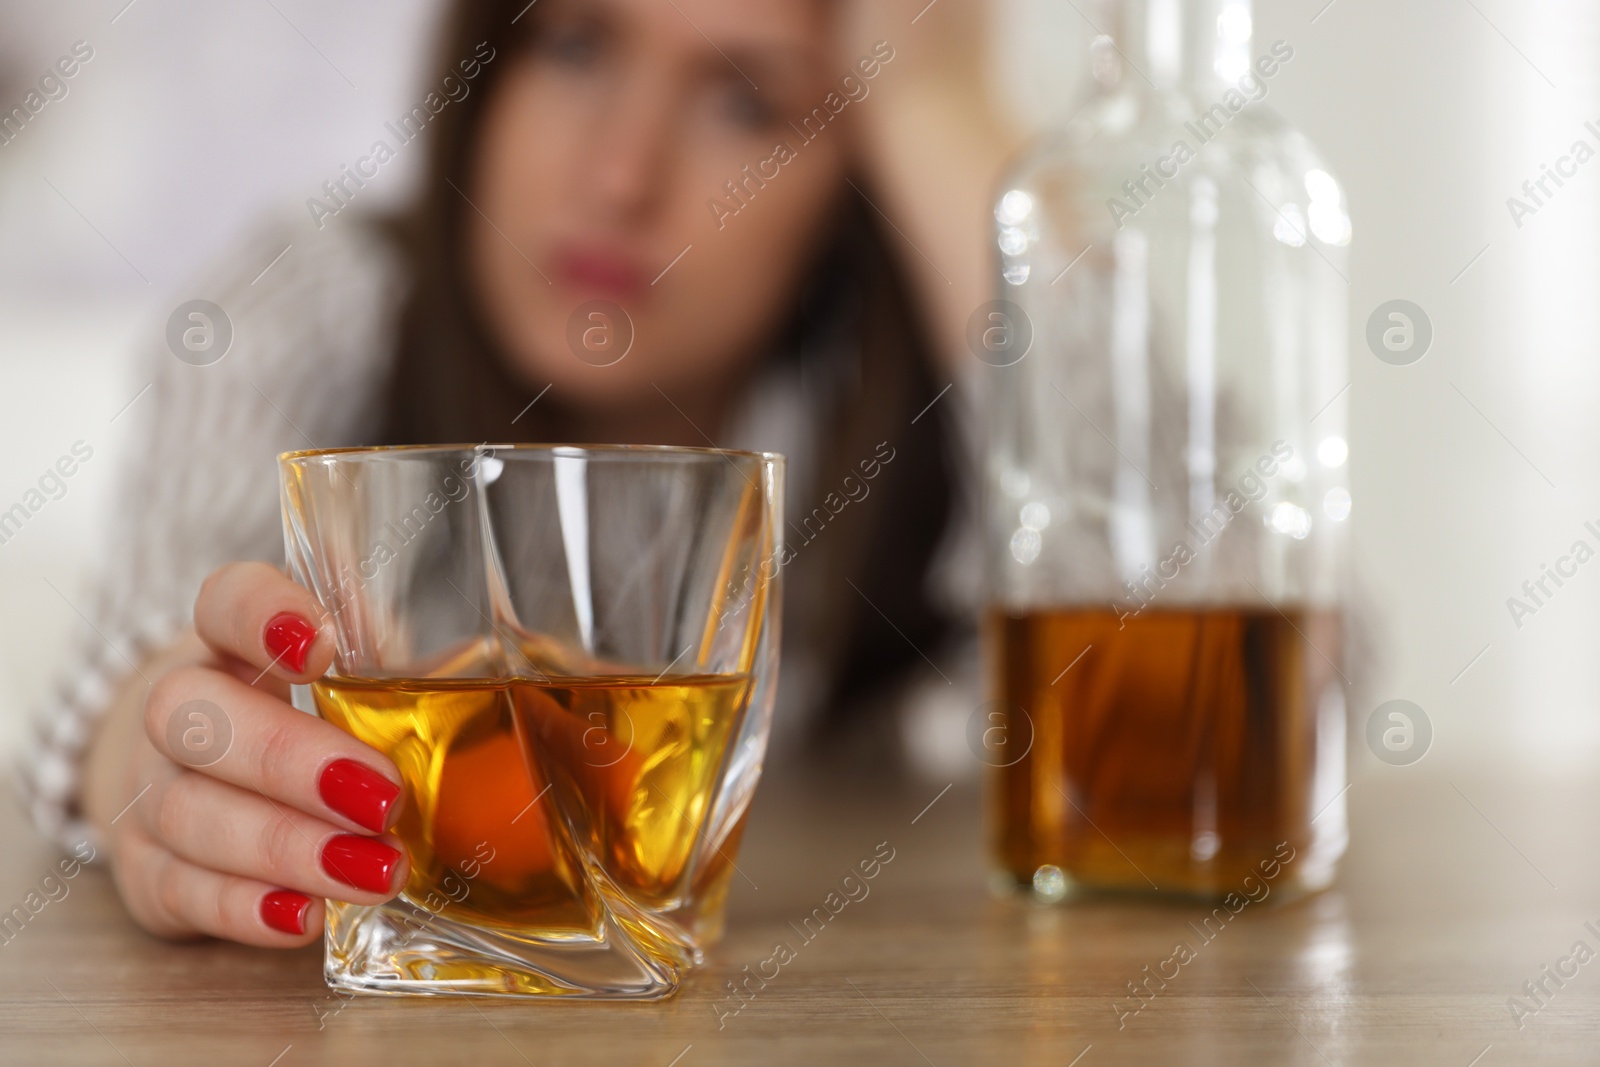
(514, 787)
(1175, 755)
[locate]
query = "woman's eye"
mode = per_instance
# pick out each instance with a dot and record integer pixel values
(745, 108)
(575, 45)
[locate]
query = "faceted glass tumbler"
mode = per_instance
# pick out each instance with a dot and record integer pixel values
(570, 654)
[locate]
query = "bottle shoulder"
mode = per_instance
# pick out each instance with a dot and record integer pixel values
(1114, 131)
(1122, 152)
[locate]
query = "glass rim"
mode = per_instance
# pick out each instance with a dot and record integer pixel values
(600, 451)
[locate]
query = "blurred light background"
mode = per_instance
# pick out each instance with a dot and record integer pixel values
(1470, 469)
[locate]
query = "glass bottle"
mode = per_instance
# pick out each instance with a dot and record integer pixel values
(1166, 495)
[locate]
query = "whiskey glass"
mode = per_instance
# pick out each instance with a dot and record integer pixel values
(570, 655)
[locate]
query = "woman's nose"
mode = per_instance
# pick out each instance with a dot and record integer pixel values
(633, 147)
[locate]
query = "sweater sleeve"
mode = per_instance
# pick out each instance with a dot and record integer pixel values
(197, 487)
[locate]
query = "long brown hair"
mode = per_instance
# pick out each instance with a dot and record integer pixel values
(864, 358)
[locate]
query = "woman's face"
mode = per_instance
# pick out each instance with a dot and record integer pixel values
(600, 182)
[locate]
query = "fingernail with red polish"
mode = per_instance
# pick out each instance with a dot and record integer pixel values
(289, 638)
(358, 793)
(361, 862)
(285, 910)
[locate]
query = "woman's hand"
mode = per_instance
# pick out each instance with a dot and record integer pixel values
(932, 142)
(227, 811)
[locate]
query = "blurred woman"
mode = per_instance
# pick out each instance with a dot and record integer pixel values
(642, 223)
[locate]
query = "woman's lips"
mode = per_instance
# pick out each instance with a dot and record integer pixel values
(601, 273)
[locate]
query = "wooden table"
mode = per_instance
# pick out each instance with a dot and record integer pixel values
(1448, 902)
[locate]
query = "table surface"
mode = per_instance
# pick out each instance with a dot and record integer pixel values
(1457, 890)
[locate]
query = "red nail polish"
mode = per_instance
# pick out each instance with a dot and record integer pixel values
(285, 910)
(289, 638)
(361, 862)
(358, 793)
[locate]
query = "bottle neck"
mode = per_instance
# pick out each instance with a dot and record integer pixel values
(1197, 45)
